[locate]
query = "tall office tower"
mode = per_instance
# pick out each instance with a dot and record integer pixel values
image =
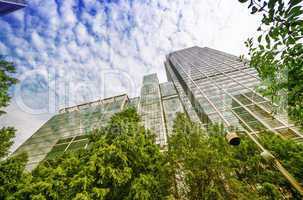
(8, 6)
(222, 89)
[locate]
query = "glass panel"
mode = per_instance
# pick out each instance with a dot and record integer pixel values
(242, 99)
(287, 133)
(253, 96)
(264, 116)
(249, 119)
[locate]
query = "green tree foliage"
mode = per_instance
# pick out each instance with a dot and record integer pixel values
(7, 70)
(122, 162)
(204, 167)
(6, 81)
(11, 173)
(288, 152)
(11, 169)
(277, 54)
(6, 134)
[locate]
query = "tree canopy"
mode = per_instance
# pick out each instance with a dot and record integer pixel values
(122, 162)
(207, 167)
(11, 169)
(277, 52)
(7, 69)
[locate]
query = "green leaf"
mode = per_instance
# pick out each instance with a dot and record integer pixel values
(291, 40)
(294, 12)
(274, 33)
(271, 4)
(267, 39)
(294, 2)
(259, 38)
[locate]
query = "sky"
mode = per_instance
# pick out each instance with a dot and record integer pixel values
(74, 51)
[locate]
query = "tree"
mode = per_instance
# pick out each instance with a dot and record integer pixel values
(205, 166)
(11, 169)
(289, 153)
(277, 54)
(11, 174)
(7, 69)
(122, 162)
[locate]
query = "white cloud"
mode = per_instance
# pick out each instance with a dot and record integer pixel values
(37, 42)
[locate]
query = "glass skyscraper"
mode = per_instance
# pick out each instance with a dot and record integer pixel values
(222, 89)
(210, 86)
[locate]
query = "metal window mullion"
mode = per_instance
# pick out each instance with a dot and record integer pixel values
(242, 70)
(69, 144)
(226, 109)
(234, 66)
(188, 109)
(286, 125)
(248, 110)
(257, 104)
(224, 73)
(67, 131)
(163, 127)
(205, 96)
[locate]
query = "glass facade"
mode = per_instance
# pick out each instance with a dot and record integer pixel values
(68, 129)
(171, 104)
(222, 89)
(151, 108)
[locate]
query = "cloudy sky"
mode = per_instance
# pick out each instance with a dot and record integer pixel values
(72, 51)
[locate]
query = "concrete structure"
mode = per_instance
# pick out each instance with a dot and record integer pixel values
(208, 85)
(8, 6)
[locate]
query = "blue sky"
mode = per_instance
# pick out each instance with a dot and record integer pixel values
(72, 51)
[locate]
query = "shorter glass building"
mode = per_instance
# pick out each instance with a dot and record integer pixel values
(68, 130)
